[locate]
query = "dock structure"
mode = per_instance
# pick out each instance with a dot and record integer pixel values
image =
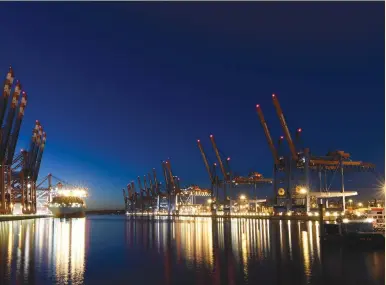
(18, 172)
(292, 172)
(293, 192)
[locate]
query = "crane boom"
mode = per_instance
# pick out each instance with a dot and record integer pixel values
(155, 181)
(6, 130)
(145, 185)
(205, 161)
(39, 157)
(6, 93)
(37, 148)
(16, 130)
(151, 185)
(171, 178)
(128, 190)
(140, 185)
(166, 177)
(267, 134)
(133, 189)
(219, 158)
(284, 126)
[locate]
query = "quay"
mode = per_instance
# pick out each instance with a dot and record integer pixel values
(264, 216)
(7, 218)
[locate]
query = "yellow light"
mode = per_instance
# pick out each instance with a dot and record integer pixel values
(309, 214)
(327, 214)
(303, 191)
(345, 221)
(209, 201)
(360, 205)
(242, 197)
(350, 200)
(335, 214)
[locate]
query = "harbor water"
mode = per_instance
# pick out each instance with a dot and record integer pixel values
(122, 250)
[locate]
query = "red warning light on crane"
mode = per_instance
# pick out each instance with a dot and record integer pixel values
(299, 130)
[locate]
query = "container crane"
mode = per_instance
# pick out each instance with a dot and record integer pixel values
(302, 159)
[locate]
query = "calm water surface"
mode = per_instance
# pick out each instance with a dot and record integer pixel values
(120, 250)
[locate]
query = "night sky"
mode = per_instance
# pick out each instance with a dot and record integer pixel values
(120, 87)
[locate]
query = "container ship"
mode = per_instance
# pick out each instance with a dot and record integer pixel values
(68, 203)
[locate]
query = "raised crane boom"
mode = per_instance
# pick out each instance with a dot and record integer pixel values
(145, 185)
(164, 170)
(140, 185)
(219, 158)
(6, 130)
(39, 157)
(128, 190)
(34, 155)
(267, 134)
(285, 127)
(133, 189)
(174, 189)
(16, 130)
(6, 92)
(156, 182)
(205, 161)
(151, 185)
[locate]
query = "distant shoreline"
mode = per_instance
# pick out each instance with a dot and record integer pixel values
(105, 212)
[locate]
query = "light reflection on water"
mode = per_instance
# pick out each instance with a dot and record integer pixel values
(120, 250)
(43, 249)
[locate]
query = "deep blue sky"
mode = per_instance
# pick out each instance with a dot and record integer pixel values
(119, 87)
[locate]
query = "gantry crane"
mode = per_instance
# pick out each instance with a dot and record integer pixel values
(11, 116)
(300, 158)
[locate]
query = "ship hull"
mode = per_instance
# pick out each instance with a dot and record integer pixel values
(67, 212)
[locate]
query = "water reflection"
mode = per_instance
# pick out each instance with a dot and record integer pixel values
(32, 251)
(123, 250)
(246, 251)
